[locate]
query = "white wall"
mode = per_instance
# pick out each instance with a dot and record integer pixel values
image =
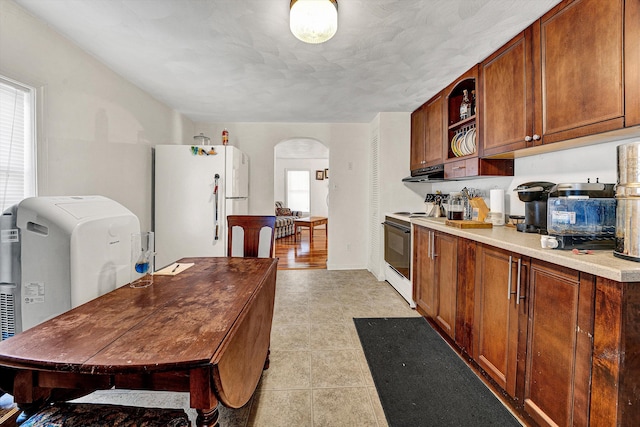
(318, 189)
(393, 131)
(95, 129)
(566, 166)
(348, 175)
(395, 150)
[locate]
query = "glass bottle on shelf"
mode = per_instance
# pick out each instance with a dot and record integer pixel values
(465, 107)
(473, 103)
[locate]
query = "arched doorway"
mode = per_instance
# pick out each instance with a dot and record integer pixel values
(301, 183)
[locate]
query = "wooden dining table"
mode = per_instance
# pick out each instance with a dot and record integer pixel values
(205, 331)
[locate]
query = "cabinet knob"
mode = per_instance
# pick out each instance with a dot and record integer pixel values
(528, 138)
(536, 137)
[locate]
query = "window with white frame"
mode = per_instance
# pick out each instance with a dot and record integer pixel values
(298, 197)
(17, 142)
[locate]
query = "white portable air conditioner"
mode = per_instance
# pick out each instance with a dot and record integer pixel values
(57, 253)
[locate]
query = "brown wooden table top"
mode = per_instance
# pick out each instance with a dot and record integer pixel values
(178, 322)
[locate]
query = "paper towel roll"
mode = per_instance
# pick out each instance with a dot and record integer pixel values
(496, 200)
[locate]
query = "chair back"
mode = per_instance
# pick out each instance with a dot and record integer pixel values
(251, 236)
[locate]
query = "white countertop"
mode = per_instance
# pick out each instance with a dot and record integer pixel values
(600, 263)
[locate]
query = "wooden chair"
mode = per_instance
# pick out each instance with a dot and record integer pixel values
(257, 229)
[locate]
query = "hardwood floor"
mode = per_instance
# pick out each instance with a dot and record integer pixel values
(297, 255)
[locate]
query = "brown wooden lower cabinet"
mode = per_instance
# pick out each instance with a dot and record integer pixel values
(435, 276)
(615, 371)
(559, 345)
(499, 275)
(563, 346)
(424, 291)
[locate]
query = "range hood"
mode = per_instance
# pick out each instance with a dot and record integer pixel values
(427, 174)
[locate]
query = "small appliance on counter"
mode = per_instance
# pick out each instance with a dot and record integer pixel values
(627, 238)
(534, 195)
(582, 215)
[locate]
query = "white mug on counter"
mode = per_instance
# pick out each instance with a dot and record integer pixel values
(548, 242)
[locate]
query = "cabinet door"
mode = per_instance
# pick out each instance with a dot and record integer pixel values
(581, 60)
(434, 130)
(507, 97)
(496, 314)
(632, 63)
(559, 345)
(424, 270)
(418, 123)
(445, 255)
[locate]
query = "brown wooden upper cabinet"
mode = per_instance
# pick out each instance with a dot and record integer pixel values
(462, 132)
(632, 62)
(417, 158)
(581, 60)
(427, 134)
(506, 82)
(562, 78)
(573, 73)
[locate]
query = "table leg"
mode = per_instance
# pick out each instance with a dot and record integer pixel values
(207, 418)
(310, 236)
(266, 361)
(295, 233)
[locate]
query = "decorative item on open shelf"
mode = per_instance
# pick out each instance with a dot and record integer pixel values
(463, 142)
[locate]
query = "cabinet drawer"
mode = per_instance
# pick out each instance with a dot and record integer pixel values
(461, 168)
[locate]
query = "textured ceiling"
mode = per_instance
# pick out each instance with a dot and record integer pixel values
(237, 61)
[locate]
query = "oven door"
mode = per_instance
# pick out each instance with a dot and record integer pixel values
(397, 245)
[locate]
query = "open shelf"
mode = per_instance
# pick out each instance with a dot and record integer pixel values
(461, 130)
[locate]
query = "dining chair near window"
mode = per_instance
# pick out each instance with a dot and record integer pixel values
(251, 236)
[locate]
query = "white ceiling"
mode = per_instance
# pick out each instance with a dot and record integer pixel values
(237, 61)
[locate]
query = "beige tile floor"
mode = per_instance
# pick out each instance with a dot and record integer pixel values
(318, 374)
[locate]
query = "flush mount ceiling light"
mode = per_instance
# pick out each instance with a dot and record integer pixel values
(313, 21)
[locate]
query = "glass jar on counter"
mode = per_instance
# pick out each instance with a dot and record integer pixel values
(455, 207)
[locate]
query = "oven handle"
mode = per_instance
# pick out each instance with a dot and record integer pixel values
(399, 227)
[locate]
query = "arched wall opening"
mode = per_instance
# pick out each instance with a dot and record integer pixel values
(303, 154)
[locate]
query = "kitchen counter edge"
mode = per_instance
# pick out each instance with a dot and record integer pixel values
(601, 263)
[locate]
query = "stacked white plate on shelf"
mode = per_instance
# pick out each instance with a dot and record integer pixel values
(464, 143)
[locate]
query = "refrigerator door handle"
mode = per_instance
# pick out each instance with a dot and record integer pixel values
(215, 208)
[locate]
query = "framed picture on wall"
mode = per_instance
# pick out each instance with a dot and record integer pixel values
(319, 175)
(326, 174)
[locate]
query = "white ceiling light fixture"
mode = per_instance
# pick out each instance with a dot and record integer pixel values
(313, 21)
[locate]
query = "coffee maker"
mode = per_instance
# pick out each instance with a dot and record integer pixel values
(534, 195)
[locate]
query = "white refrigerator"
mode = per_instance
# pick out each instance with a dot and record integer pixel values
(190, 210)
